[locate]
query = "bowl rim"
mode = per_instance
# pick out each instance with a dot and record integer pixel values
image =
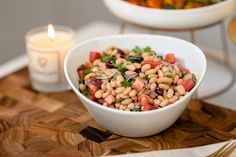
(81, 96)
(174, 11)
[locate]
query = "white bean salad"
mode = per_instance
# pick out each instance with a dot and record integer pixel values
(134, 80)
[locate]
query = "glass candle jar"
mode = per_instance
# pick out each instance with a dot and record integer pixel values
(46, 50)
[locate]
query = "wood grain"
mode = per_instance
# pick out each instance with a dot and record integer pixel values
(48, 125)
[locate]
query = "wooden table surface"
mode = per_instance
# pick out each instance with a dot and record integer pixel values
(46, 125)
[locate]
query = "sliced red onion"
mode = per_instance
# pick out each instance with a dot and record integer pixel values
(107, 77)
(134, 74)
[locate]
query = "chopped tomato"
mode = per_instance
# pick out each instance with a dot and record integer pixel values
(147, 108)
(91, 97)
(94, 55)
(170, 58)
(80, 71)
(188, 84)
(144, 100)
(181, 68)
(92, 88)
(152, 63)
(88, 65)
(156, 106)
(138, 84)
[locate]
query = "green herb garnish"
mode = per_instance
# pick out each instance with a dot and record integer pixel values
(168, 6)
(114, 77)
(122, 70)
(119, 100)
(137, 109)
(194, 78)
(182, 73)
(169, 76)
(104, 57)
(86, 92)
(135, 59)
(81, 80)
(160, 57)
(147, 49)
(127, 83)
(146, 78)
(87, 71)
(137, 50)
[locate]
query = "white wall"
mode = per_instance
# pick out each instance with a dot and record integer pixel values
(19, 16)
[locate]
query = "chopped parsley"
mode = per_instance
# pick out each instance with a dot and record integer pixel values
(160, 57)
(182, 73)
(104, 57)
(137, 109)
(119, 100)
(169, 76)
(194, 78)
(87, 71)
(168, 6)
(127, 83)
(146, 78)
(81, 80)
(137, 50)
(147, 49)
(135, 59)
(86, 92)
(121, 69)
(115, 76)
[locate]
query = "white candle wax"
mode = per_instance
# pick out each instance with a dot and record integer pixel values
(46, 57)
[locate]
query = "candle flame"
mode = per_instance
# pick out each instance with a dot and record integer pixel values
(51, 32)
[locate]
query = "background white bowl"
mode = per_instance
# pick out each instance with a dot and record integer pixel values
(136, 124)
(171, 19)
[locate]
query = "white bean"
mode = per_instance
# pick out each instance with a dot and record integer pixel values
(104, 95)
(153, 86)
(170, 93)
(131, 67)
(133, 93)
(126, 101)
(98, 94)
(164, 86)
(153, 80)
(180, 89)
(120, 78)
(164, 80)
(109, 87)
(151, 71)
(173, 99)
(145, 67)
(110, 99)
(120, 90)
(160, 74)
(131, 106)
(82, 86)
(127, 90)
(164, 103)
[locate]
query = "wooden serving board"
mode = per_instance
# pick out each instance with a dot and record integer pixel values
(45, 125)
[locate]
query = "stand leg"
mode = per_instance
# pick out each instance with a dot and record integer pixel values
(192, 39)
(122, 27)
(192, 36)
(224, 42)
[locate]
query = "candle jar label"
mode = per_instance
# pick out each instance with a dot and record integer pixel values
(44, 66)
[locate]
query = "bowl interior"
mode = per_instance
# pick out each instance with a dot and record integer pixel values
(188, 54)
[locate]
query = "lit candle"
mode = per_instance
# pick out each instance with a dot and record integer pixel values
(46, 49)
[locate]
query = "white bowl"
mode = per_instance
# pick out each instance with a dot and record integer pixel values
(136, 124)
(171, 19)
